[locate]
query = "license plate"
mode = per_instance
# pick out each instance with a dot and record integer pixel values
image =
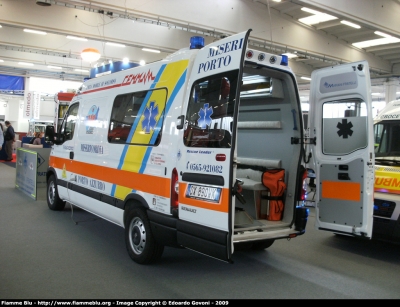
(203, 192)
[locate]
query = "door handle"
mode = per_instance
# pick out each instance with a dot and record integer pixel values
(71, 155)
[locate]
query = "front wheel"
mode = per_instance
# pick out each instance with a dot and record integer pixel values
(53, 200)
(139, 240)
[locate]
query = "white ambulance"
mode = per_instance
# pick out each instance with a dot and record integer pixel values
(204, 151)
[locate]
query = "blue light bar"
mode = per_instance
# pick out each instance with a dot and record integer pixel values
(285, 60)
(196, 42)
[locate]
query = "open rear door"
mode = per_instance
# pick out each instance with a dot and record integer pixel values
(206, 153)
(341, 124)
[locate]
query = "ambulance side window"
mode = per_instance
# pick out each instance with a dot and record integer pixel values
(344, 126)
(136, 118)
(210, 111)
(68, 126)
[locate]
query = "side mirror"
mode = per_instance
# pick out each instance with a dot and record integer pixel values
(49, 135)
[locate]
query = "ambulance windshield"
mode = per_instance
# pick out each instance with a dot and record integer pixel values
(387, 139)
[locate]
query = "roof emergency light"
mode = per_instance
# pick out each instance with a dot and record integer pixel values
(196, 42)
(285, 60)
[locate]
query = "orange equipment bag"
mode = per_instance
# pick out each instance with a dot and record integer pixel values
(274, 181)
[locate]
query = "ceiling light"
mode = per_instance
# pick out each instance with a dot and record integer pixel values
(151, 50)
(305, 78)
(82, 70)
(142, 63)
(387, 39)
(125, 60)
(26, 64)
(316, 18)
(376, 94)
(276, 0)
(306, 9)
(350, 24)
(77, 38)
(1, 26)
(54, 67)
(35, 31)
(1, 60)
(115, 44)
(382, 34)
(90, 55)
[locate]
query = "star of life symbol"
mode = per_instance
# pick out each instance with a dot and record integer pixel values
(345, 128)
(149, 114)
(205, 116)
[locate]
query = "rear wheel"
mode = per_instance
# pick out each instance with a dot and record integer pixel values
(53, 200)
(139, 240)
(260, 245)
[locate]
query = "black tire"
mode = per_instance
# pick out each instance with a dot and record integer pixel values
(139, 240)
(53, 200)
(260, 245)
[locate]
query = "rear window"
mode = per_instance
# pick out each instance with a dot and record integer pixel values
(210, 112)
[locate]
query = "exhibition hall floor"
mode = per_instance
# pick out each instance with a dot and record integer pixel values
(74, 255)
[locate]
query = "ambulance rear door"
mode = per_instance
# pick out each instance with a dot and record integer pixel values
(205, 155)
(341, 126)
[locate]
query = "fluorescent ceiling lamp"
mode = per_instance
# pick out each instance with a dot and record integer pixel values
(54, 67)
(77, 38)
(305, 78)
(115, 44)
(316, 18)
(1, 60)
(151, 50)
(35, 31)
(276, 0)
(306, 9)
(290, 55)
(350, 24)
(26, 64)
(387, 39)
(82, 70)
(376, 94)
(382, 34)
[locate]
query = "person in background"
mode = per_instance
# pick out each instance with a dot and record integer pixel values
(36, 140)
(1, 136)
(9, 137)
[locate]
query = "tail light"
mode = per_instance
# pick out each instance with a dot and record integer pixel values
(174, 192)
